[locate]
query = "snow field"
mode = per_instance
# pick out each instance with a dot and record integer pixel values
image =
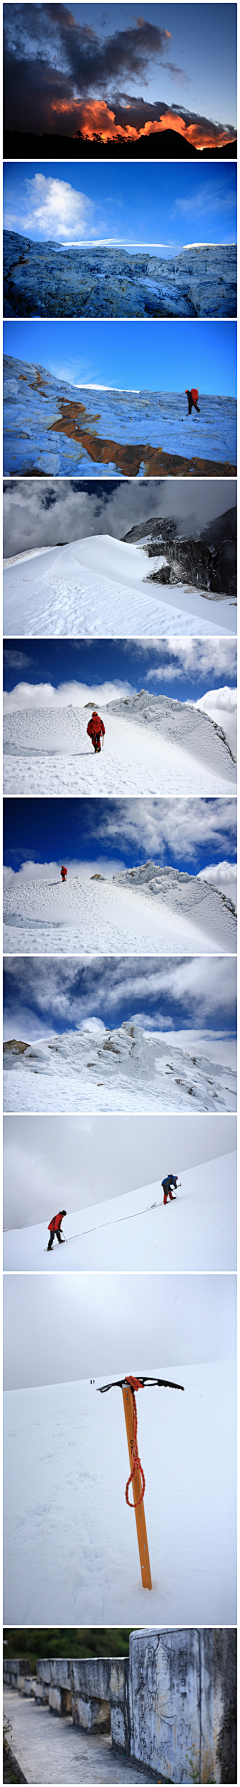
(196, 1233)
(152, 745)
(137, 1072)
(149, 910)
(71, 1554)
(98, 587)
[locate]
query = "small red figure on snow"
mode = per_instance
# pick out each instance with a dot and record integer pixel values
(63, 872)
(95, 730)
(55, 1229)
(192, 397)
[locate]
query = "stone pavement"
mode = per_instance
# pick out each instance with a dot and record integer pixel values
(53, 1749)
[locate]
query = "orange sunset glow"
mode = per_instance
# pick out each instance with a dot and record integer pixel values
(95, 118)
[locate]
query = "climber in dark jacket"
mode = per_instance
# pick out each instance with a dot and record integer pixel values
(192, 397)
(55, 1228)
(167, 1183)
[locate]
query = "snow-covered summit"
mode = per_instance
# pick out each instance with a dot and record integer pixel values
(177, 720)
(148, 909)
(101, 587)
(139, 1071)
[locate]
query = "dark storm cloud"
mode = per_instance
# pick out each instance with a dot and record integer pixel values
(52, 58)
(138, 112)
(62, 74)
(198, 118)
(46, 513)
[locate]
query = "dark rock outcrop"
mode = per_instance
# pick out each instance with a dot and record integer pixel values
(206, 558)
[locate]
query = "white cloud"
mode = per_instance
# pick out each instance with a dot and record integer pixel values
(224, 876)
(193, 658)
(70, 694)
(52, 208)
(221, 706)
(94, 1026)
(64, 992)
(167, 825)
(50, 871)
(206, 200)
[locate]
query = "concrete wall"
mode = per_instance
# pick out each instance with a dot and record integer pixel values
(182, 1703)
(172, 1708)
(93, 1690)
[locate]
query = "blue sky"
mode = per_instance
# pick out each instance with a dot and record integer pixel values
(110, 68)
(47, 995)
(188, 834)
(182, 669)
(166, 203)
(131, 355)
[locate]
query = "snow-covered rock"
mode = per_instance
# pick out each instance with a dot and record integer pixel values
(137, 1072)
(53, 427)
(100, 587)
(45, 279)
(196, 1233)
(70, 1540)
(144, 910)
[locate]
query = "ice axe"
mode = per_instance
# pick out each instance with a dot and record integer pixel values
(129, 1386)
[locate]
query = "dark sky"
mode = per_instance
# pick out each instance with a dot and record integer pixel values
(40, 512)
(78, 67)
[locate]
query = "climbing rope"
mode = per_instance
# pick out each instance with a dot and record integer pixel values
(135, 1383)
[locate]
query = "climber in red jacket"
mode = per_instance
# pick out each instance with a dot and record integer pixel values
(192, 397)
(95, 729)
(55, 1228)
(63, 872)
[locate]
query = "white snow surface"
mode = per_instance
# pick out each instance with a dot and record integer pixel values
(138, 1072)
(99, 587)
(195, 1233)
(153, 746)
(144, 910)
(71, 1554)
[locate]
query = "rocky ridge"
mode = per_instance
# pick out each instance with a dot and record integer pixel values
(50, 427)
(206, 558)
(44, 279)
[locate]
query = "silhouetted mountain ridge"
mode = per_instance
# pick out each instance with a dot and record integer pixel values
(167, 145)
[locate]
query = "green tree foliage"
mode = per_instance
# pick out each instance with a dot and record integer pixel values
(66, 1641)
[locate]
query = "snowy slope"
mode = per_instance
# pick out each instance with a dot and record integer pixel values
(152, 745)
(100, 587)
(137, 1072)
(196, 1233)
(143, 910)
(71, 1553)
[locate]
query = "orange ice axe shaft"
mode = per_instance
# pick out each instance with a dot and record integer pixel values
(137, 1492)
